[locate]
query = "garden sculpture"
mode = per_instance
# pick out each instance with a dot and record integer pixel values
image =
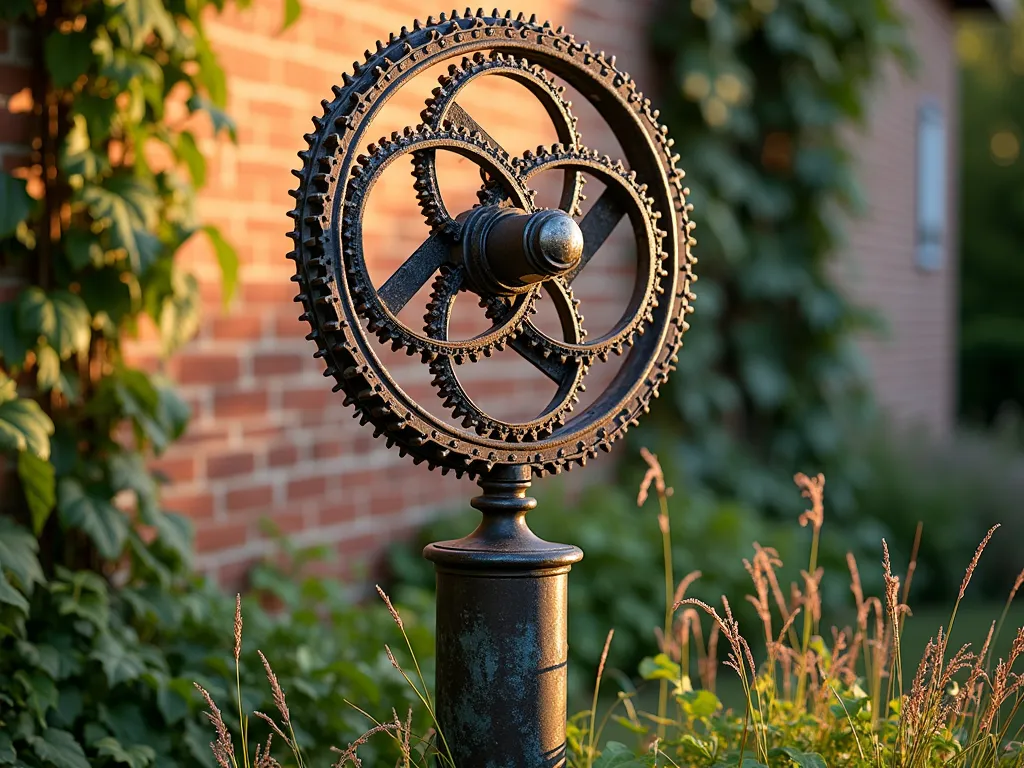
(501, 591)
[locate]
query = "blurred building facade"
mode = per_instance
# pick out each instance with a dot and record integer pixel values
(268, 438)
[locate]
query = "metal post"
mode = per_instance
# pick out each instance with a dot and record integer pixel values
(501, 604)
(501, 634)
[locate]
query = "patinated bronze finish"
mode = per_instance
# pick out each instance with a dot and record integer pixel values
(501, 591)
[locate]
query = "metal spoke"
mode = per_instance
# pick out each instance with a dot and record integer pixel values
(413, 274)
(597, 225)
(460, 118)
(551, 367)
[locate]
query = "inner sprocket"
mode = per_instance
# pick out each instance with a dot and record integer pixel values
(504, 250)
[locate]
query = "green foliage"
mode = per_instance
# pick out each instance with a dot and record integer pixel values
(615, 585)
(992, 224)
(955, 490)
(821, 697)
(756, 97)
(96, 676)
(102, 631)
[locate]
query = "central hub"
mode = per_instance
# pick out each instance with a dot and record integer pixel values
(507, 250)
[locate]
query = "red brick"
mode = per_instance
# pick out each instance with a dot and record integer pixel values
(204, 368)
(283, 455)
(268, 364)
(14, 161)
(306, 488)
(221, 536)
(251, 497)
(178, 469)
(239, 404)
(243, 63)
(197, 506)
(229, 465)
(337, 513)
(13, 78)
(310, 398)
(328, 449)
(16, 129)
(287, 521)
(264, 432)
(208, 436)
(288, 326)
(235, 327)
(278, 292)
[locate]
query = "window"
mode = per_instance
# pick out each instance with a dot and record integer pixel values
(931, 187)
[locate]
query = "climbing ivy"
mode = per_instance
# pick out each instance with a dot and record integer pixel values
(90, 228)
(758, 95)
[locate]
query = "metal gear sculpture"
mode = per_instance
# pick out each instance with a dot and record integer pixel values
(505, 250)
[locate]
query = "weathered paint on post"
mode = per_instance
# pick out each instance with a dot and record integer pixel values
(501, 635)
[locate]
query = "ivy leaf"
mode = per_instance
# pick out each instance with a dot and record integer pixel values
(801, 759)
(210, 75)
(39, 485)
(220, 119)
(144, 17)
(173, 697)
(15, 203)
(10, 596)
(99, 113)
(62, 318)
(106, 525)
(67, 56)
(227, 258)
(82, 250)
(12, 345)
(41, 692)
(135, 756)
(78, 160)
(292, 11)
(18, 549)
(59, 749)
(172, 411)
(123, 68)
(188, 153)
(175, 532)
(112, 295)
(7, 753)
(128, 471)
(119, 664)
(24, 427)
(82, 594)
(129, 211)
(180, 313)
(766, 380)
(618, 755)
(15, 10)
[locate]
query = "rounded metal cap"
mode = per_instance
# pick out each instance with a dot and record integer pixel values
(554, 242)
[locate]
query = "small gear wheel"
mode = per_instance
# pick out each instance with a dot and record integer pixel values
(568, 377)
(503, 251)
(443, 108)
(381, 306)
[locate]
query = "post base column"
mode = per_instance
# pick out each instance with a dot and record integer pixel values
(501, 635)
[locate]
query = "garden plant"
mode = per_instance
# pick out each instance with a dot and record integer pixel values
(810, 694)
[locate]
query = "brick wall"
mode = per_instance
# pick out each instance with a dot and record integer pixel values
(913, 366)
(268, 438)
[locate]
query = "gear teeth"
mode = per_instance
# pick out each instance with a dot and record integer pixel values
(313, 261)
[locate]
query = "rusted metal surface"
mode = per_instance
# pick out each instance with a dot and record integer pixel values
(349, 315)
(501, 634)
(501, 645)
